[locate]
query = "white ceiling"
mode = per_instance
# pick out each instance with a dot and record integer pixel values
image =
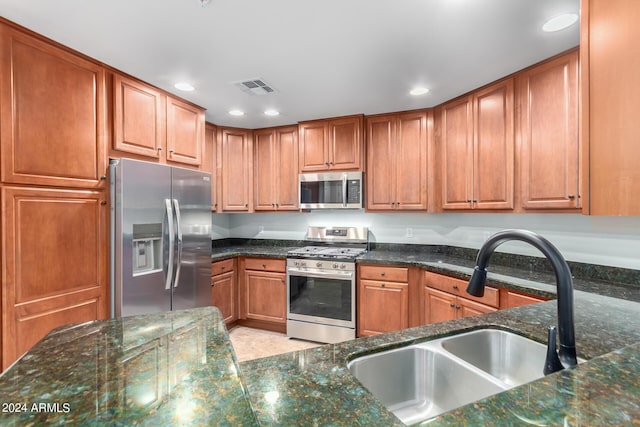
(326, 58)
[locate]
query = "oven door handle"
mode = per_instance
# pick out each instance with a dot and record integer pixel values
(306, 273)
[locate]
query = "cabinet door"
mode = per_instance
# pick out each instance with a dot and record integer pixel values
(382, 307)
(494, 141)
(185, 132)
(550, 154)
(456, 151)
(438, 306)
(209, 163)
(286, 172)
(52, 125)
(138, 118)
(55, 271)
(380, 176)
(511, 299)
(223, 295)
(611, 100)
(345, 143)
(237, 173)
(468, 308)
(411, 162)
(313, 146)
(265, 296)
(265, 170)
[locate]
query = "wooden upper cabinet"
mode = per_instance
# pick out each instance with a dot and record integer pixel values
(548, 130)
(609, 52)
(138, 116)
(334, 144)
(397, 162)
(55, 270)
(185, 132)
(147, 122)
(235, 148)
(456, 149)
(209, 162)
(52, 122)
(477, 149)
(276, 171)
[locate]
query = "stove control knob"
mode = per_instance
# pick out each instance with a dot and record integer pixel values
(296, 263)
(303, 263)
(343, 266)
(318, 264)
(336, 265)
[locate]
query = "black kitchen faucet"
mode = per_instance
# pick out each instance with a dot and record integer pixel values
(564, 284)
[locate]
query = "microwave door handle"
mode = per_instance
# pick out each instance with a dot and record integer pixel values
(169, 275)
(344, 190)
(176, 206)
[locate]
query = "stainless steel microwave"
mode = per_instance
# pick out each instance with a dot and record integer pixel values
(330, 190)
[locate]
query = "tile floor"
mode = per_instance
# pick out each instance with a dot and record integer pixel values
(251, 343)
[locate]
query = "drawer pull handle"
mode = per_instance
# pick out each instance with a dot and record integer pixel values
(264, 265)
(384, 284)
(452, 305)
(382, 274)
(455, 286)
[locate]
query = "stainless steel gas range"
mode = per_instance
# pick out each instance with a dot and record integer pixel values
(321, 284)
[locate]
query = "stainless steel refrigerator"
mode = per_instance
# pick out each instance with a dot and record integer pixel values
(160, 238)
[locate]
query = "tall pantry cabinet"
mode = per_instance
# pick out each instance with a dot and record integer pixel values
(53, 189)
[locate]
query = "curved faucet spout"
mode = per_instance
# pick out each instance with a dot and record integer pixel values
(564, 283)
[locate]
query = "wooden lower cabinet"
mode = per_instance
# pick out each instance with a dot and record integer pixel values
(511, 299)
(444, 298)
(224, 290)
(263, 293)
(383, 302)
(383, 307)
(55, 263)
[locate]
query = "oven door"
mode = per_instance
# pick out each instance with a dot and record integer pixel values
(321, 297)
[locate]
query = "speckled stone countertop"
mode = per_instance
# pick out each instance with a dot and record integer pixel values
(314, 387)
(172, 368)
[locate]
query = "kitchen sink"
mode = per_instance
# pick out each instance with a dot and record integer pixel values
(511, 358)
(417, 383)
(420, 381)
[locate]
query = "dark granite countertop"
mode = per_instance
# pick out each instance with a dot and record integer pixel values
(301, 387)
(171, 368)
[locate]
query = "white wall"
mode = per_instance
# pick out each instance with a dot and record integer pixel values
(613, 241)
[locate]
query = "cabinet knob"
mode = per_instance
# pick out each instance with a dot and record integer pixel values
(223, 267)
(457, 307)
(159, 148)
(330, 163)
(104, 202)
(277, 205)
(103, 177)
(246, 205)
(384, 285)
(326, 163)
(452, 305)
(455, 286)
(382, 274)
(172, 151)
(264, 265)
(571, 196)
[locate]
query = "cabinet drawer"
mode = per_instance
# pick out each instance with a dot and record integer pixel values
(457, 287)
(393, 274)
(220, 267)
(265, 264)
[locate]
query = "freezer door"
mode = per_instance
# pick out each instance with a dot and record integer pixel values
(191, 192)
(141, 240)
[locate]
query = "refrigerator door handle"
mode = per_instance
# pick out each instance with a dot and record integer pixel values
(176, 206)
(169, 274)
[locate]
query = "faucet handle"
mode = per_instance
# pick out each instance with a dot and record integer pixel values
(552, 362)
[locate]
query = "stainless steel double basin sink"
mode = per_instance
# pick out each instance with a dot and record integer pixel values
(420, 381)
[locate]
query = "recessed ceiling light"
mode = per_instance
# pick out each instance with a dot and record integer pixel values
(560, 22)
(419, 91)
(187, 87)
(236, 112)
(272, 112)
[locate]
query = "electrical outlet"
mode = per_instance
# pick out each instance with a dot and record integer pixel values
(409, 232)
(260, 228)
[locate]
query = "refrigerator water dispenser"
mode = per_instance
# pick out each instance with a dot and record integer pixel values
(147, 250)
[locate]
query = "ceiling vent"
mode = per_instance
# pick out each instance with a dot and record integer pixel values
(255, 87)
